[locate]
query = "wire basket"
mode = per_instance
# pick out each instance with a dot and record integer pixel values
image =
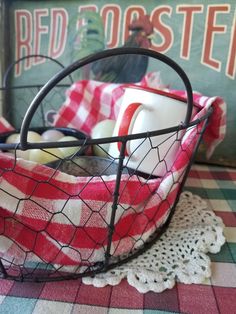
(20, 94)
(78, 215)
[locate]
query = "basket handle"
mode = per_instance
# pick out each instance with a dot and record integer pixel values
(6, 77)
(92, 58)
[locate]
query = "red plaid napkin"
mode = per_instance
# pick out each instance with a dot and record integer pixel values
(89, 102)
(45, 214)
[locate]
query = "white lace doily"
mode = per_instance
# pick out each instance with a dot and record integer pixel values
(179, 254)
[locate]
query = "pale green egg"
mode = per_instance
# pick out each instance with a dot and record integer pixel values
(44, 156)
(68, 151)
(102, 129)
(13, 138)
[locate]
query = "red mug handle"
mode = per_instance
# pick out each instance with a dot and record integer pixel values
(127, 122)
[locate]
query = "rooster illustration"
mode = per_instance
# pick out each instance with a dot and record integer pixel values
(90, 38)
(116, 69)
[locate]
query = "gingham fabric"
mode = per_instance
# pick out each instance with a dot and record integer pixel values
(217, 295)
(89, 102)
(39, 187)
(5, 126)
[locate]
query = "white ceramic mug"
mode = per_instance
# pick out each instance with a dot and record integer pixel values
(142, 110)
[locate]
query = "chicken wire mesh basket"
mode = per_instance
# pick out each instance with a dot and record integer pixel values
(20, 93)
(77, 215)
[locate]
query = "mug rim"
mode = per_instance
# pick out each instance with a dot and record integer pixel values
(159, 92)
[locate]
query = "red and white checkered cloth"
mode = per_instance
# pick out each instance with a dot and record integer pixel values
(47, 213)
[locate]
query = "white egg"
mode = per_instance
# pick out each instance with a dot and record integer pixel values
(68, 151)
(51, 135)
(44, 156)
(102, 129)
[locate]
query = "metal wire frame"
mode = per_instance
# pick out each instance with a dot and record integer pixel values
(7, 86)
(6, 76)
(109, 262)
